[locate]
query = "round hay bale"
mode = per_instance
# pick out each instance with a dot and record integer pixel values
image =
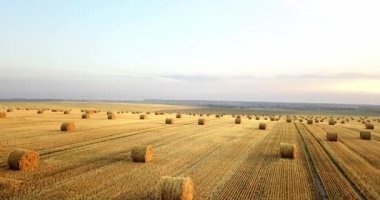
(86, 116)
(68, 126)
(237, 120)
(365, 135)
(288, 120)
(201, 121)
(142, 153)
(332, 122)
(217, 116)
(40, 112)
(176, 188)
(300, 120)
(342, 122)
(143, 116)
(111, 116)
(332, 136)
(23, 160)
(178, 116)
(369, 126)
(309, 121)
(287, 150)
(257, 118)
(9, 110)
(3, 114)
(66, 112)
(262, 126)
(169, 121)
(109, 113)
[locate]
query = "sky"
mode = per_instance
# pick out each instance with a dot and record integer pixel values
(243, 50)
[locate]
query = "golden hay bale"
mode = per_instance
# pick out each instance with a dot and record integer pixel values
(201, 121)
(331, 136)
(287, 150)
(23, 160)
(178, 116)
(40, 112)
(237, 120)
(9, 110)
(169, 121)
(109, 113)
(369, 126)
(332, 122)
(68, 127)
(142, 116)
(300, 120)
(262, 126)
(111, 116)
(142, 153)
(342, 122)
(176, 188)
(3, 114)
(86, 116)
(217, 116)
(289, 120)
(89, 112)
(66, 112)
(257, 118)
(365, 135)
(309, 121)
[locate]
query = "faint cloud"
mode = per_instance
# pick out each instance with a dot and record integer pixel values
(205, 77)
(333, 76)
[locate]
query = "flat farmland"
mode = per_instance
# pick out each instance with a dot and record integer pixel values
(224, 160)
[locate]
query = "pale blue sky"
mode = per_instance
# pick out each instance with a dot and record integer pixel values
(275, 50)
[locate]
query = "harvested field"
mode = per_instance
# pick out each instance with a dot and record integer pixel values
(223, 160)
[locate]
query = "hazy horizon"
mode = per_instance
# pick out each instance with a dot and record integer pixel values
(274, 51)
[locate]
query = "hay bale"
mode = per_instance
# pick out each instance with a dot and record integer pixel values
(142, 153)
(309, 121)
(237, 120)
(300, 120)
(109, 113)
(257, 118)
(369, 126)
(143, 116)
(287, 150)
(332, 122)
(217, 116)
(289, 120)
(9, 110)
(262, 126)
(40, 112)
(176, 188)
(169, 121)
(66, 112)
(201, 121)
(331, 136)
(365, 135)
(178, 116)
(111, 116)
(23, 160)
(3, 114)
(86, 116)
(68, 127)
